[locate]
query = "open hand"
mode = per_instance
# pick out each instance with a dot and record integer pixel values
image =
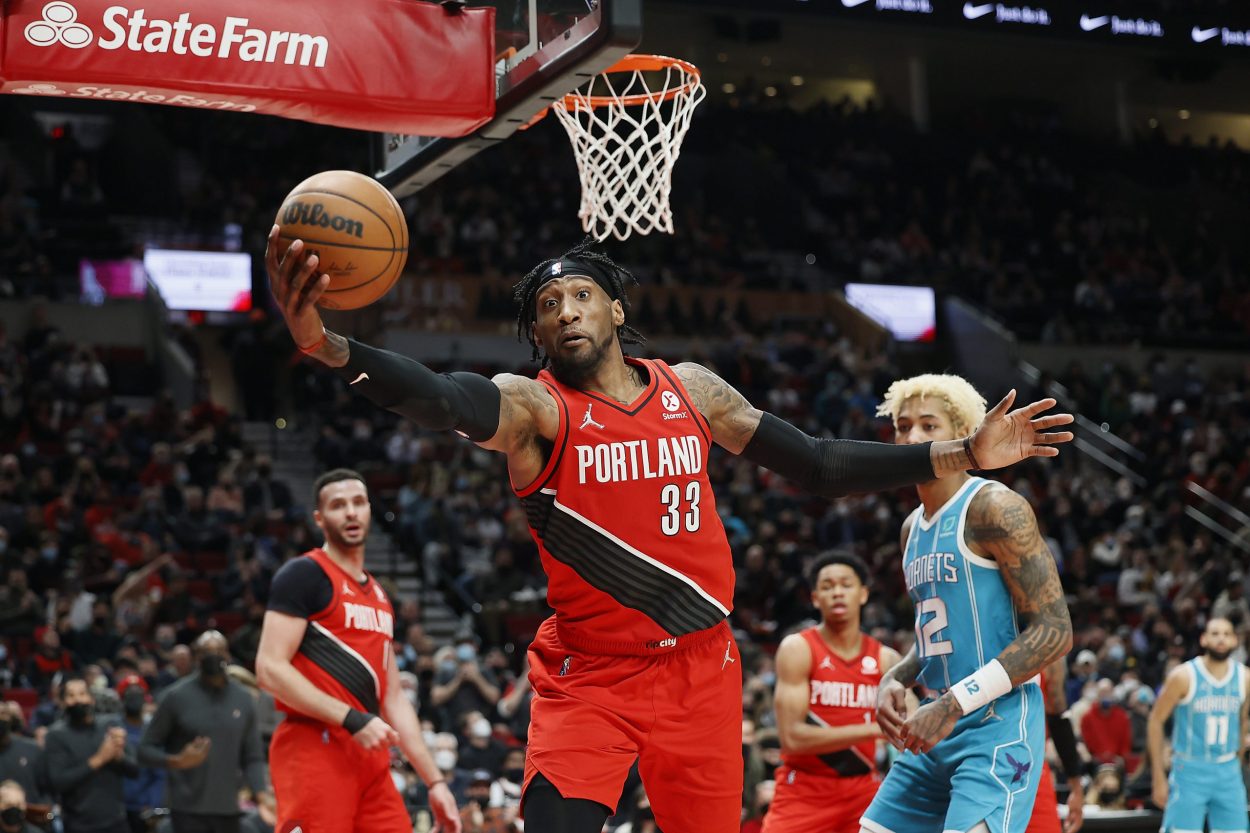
(1007, 437)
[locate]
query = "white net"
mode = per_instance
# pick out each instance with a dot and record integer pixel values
(626, 127)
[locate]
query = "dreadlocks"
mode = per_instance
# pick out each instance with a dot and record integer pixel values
(527, 288)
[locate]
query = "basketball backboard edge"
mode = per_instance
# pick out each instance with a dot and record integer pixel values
(613, 29)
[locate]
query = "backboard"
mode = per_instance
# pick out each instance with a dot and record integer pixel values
(544, 49)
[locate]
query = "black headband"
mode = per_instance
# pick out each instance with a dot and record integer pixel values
(569, 266)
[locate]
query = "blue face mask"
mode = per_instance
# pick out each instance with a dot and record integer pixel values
(1106, 704)
(465, 653)
(1116, 653)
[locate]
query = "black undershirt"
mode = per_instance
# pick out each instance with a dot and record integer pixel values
(301, 588)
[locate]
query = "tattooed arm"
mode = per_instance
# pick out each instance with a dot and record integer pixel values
(1001, 525)
(835, 468)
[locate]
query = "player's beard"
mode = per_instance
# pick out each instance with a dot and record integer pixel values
(336, 538)
(1219, 656)
(574, 371)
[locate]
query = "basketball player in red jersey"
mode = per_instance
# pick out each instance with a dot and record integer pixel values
(325, 654)
(609, 457)
(826, 703)
(1045, 818)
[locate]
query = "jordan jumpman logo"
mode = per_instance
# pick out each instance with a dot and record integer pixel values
(588, 419)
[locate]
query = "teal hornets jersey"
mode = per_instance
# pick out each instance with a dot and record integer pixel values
(964, 613)
(1206, 725)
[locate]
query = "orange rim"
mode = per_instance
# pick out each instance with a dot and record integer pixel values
(637, 63)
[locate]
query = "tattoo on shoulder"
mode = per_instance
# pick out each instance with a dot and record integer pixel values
(731, 416)
(1002, 522)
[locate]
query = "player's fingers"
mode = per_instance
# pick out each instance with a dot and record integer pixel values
(1056, 437)
(303, 283)
(319, 287)
(289, 263)
(1034, 408)
(271, 254)
(1043, 451)
(1052, 421)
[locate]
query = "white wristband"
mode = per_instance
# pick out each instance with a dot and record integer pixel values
(981, 687)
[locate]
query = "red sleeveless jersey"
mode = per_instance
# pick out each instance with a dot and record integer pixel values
(843, 692)
(346, 647)
(625, 520)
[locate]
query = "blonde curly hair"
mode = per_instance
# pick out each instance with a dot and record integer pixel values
(964, 406)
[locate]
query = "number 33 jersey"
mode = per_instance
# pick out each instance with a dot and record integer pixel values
(965, 615)
(625, 520)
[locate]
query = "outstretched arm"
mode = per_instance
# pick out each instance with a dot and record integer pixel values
(834, 468)
(505, 414)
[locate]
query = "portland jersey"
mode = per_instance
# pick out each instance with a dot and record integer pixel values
(843, 693)
(625, 520)
(346, 647)
(965, 615)
(1206, 725)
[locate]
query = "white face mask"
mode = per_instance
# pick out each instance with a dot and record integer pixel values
(480, 728)
(445, 760)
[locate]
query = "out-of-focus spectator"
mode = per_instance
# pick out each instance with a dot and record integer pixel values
(145, 790)
(21, 761)
(14, 810)
(1231, 604)
(1105, 729)
(480, 750)
(20, 611)
(1107, 790)
(461, 685)
(205, 732)
(88, 760)
(48, 659)
(763, 798)
(266, 494)
(1084, 671)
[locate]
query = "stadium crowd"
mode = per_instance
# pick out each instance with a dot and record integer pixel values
(125, 534)
(1065, 238)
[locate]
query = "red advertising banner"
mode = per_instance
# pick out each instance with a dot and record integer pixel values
(402, 66)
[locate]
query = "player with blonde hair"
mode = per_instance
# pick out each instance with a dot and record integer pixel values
(990, 615)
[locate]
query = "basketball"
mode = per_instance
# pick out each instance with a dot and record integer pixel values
(356, 228)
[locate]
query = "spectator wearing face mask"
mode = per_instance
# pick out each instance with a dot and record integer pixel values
(512, 779)
(205, 731)
(88, 760)
(1105, 728)
(13, 809)
(446, 757)
(461, 685)
(480, 750)
(21, 761)
(147, 789)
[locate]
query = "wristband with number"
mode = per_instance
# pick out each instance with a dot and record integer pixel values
(981, 687)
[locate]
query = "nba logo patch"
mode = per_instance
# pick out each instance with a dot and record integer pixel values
(948, 525)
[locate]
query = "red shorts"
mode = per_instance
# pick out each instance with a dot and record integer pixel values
(1045, 818)
(326, 783)
(677, 711)
(808, 803)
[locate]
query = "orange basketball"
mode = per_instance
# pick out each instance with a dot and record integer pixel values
(357, 230)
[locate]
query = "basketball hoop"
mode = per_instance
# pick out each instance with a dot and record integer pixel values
(626, 126)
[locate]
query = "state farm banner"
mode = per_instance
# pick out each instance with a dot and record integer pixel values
(402, 66)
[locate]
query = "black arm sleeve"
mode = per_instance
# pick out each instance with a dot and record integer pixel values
(300, 588)
(836, 468)
(1065, 743)
(464, 402)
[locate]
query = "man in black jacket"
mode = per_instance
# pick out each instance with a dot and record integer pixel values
(205, 731)
(87, 761)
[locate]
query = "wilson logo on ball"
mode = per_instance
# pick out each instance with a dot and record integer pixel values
(315, 214)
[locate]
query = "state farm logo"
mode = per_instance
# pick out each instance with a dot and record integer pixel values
(133, 30)
(39, 89)
(59, 25)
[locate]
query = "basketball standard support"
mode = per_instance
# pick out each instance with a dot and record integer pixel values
(529, 80)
